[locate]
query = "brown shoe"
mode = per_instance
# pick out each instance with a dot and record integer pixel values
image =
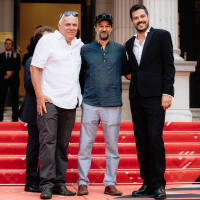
(111, 190)
(82, 190)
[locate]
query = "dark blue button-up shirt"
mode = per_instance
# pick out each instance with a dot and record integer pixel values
(103, 70)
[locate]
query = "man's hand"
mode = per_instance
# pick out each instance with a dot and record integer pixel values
(128, 76)
(166, 101)
(9, 73)
(6, 77)
(124, 44)
(41, 99)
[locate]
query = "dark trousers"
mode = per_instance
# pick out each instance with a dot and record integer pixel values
(14, 90)
(32, 155)
(148, 121)
(55, 128)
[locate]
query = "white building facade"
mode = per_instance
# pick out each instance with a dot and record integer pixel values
(164, 14)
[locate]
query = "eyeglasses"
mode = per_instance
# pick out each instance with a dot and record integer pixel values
(68, 13)
(104, 16)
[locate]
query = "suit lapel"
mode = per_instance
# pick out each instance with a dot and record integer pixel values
(11, 58)
(149, 36)
(4, 58)
(133, 55)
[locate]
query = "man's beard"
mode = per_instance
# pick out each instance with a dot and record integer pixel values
(104, 38)
(143, 30)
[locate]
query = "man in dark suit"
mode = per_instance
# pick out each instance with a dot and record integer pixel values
(152, 74)
(10, 64)
(28, 114)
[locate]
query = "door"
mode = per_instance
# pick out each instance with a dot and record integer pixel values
(33, 15)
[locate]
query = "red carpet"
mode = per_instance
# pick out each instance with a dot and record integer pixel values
(96, 192)
(182, 144)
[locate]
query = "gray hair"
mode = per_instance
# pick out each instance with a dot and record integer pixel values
(61, 19)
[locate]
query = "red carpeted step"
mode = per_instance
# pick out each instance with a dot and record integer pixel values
(125, 126)
(99, 149)
(13, 162)
(181, 137)
(172, 162)
(13, 126)
(134, 176)
(18, 177)
(12, 149)
(10, 137)
(124, 137)
(127, 162)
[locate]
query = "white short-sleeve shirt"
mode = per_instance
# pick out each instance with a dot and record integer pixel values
(59, 65)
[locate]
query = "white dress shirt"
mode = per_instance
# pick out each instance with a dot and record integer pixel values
(137, 48)
(59, 65)
(10, 53)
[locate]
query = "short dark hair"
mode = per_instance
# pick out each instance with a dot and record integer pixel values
(39, 32)
(8, 39)
(137, 7)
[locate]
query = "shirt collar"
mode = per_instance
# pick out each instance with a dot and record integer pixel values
(9, 53)
(59, 36)
(100, 43)
(148, 30)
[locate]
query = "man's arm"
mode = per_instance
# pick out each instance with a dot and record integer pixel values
(39, 60)
(27, 77)
(169, 70)
(16, 66)
(3, 70)
(126, 67)
(82, 71)
(41, 98)
(128, 76)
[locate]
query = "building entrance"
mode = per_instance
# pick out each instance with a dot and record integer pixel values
(33, 15)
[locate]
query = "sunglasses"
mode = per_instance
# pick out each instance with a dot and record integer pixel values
(68, 13)
(104, 16)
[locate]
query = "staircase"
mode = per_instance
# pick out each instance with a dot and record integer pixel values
(182, 145)
(8, 114)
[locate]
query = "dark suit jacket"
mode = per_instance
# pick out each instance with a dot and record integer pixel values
(28, 110)
(15, 65)
(155, 75)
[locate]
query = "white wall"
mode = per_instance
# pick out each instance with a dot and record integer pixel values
(6, 18)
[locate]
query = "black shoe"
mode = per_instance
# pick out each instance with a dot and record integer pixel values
(46, 194)
(143, 191)
(32, 188)
(63, 191)
(160, 193)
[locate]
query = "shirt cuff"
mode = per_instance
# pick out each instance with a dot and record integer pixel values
(168, 95)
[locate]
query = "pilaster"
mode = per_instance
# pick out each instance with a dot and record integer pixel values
(164, 15)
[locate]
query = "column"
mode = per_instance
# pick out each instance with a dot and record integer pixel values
(123, 28)
(6, 18)
(164, 15)
(180, 109)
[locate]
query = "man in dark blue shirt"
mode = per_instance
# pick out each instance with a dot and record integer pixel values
(104, 62)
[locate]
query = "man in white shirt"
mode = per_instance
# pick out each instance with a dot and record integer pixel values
(55, 75)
